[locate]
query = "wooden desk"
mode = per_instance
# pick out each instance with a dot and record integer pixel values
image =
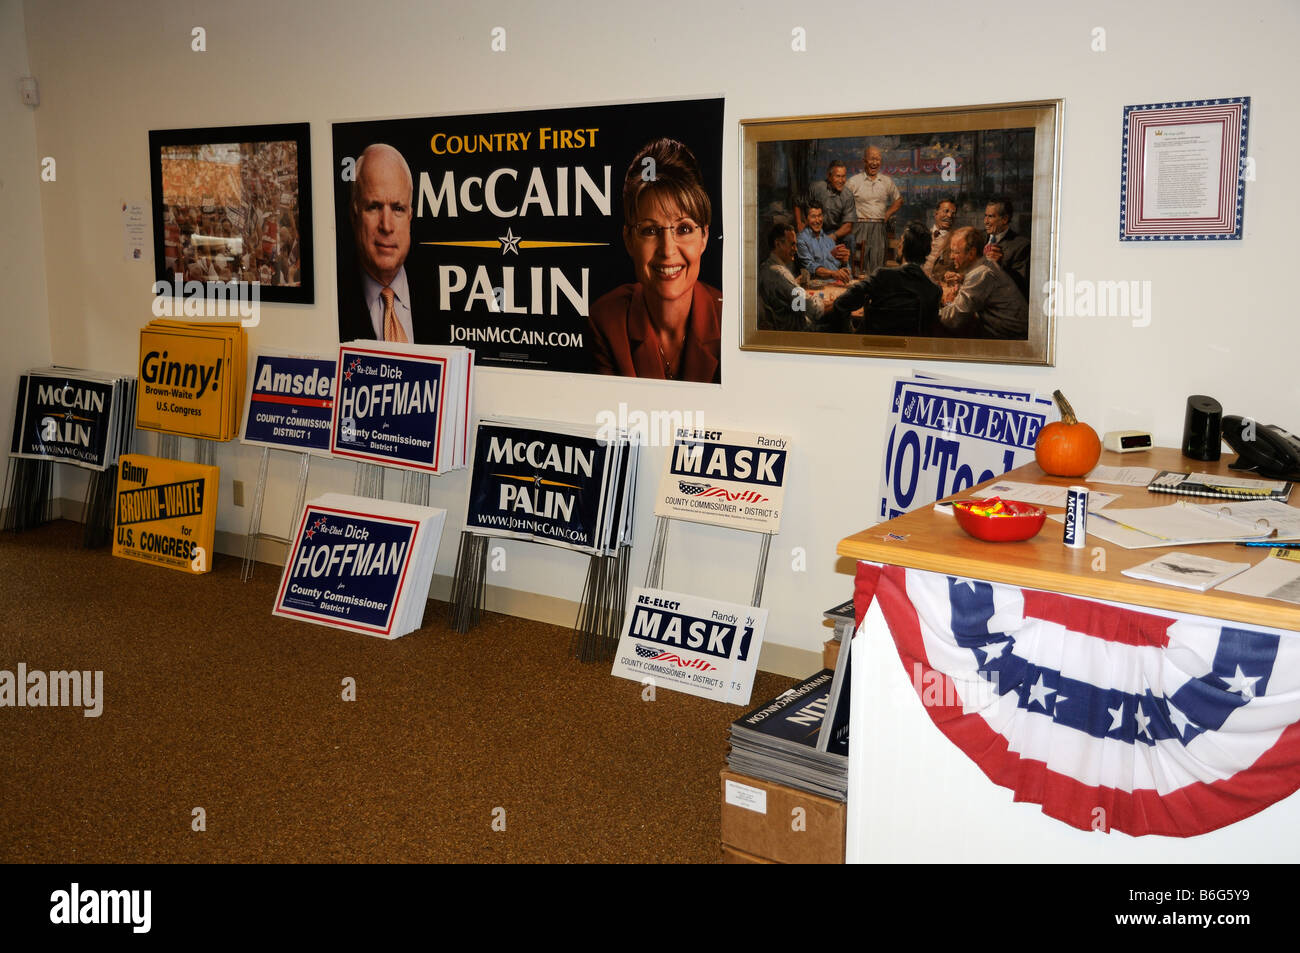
(935, 542)
(914, 799)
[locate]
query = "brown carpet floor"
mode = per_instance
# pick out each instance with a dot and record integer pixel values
(211, 702)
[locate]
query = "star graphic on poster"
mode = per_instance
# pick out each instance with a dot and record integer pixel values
(310, 533)
(509, 242)
(347, 375)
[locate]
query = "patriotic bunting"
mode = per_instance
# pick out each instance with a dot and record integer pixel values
(1158, 724)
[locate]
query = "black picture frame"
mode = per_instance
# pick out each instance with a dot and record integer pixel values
(292, 268)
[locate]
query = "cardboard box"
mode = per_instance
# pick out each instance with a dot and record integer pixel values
(830, 653)
(732, 856)
(775, 823)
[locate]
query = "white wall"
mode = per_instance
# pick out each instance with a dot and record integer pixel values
(1222, 314)
(23, 314)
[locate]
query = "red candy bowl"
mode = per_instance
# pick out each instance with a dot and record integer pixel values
(1013, 521)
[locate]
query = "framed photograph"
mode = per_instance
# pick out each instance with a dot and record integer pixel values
(1184, 171)
(234, 204)
(925, 233)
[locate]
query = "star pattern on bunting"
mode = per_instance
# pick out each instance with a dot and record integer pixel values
(1242, 683)
(993, 650)
(1142, 722)
(1038, 692)
(1117, 718)
(1180, 720)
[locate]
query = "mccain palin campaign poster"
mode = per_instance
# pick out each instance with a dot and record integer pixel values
(506, 233)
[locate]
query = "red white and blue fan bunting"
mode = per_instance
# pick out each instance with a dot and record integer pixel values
(1170, 724)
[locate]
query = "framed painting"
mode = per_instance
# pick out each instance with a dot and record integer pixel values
(924, 233)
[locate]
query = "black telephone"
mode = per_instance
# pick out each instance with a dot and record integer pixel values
(1268, 450)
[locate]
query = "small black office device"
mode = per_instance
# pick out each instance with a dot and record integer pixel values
(1201, 428)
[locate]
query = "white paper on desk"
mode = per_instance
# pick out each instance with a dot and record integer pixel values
(1041, 494)
(1187, 570)
(1178, 524)
(1121, 476)
(1273, 514)
(1113, 533)
(1272, 578)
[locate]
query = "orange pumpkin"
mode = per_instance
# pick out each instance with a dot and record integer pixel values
(1067, 447)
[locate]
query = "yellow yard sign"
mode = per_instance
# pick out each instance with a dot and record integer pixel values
(165, 512)
(191, 379)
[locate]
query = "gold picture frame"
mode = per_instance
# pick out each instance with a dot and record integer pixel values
(1008, 151)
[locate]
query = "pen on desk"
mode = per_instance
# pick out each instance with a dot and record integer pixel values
(1271, 545)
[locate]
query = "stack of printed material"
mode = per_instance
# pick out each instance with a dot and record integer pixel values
(563, 484)
(945, 435)
(191, 378)
(361, 564)
(842, 617)
(70, 415)
(1222, 487)
(403, 405)
(782, 740)
(289, 404)
(166, 512)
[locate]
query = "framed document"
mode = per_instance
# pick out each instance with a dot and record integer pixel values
(1184, 170)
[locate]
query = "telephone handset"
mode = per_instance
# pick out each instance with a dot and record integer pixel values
(1264, 448)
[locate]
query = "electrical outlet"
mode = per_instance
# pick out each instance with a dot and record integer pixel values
(238, 495)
